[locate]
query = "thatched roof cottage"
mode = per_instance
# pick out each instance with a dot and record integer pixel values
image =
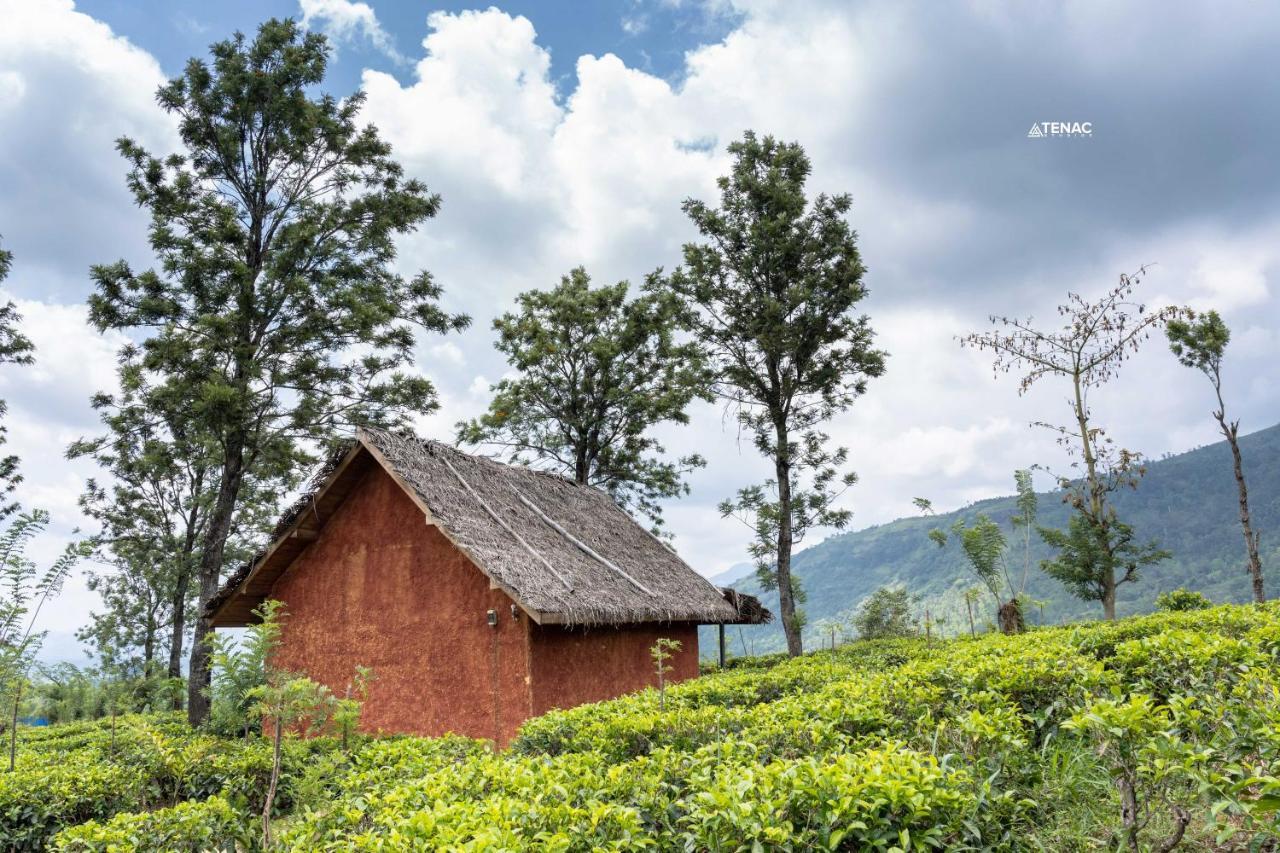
(481, 594)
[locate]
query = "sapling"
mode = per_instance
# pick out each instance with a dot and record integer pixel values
(286, 700)
(346, 711)
(661, 653)
(24, 590)
(1134, 738)
(971, 596)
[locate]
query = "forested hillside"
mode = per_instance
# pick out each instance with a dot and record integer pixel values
(1186, 502)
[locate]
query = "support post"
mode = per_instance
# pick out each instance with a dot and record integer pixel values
(721, 627)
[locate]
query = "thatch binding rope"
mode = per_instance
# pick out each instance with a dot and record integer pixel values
(507, 527)
(583, 546)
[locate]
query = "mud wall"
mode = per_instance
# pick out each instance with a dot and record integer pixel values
(381, 588)
(571, 666)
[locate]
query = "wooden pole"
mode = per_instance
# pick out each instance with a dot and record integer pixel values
(721, 627)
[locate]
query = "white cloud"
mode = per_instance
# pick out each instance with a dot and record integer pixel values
(344, 21)
(957, 217)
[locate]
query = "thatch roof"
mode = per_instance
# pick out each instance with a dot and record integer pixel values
(565, 553)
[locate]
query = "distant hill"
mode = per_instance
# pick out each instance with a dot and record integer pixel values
(733, 574)
(1186, 502)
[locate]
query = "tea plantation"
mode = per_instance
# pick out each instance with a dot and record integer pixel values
(1153, 733)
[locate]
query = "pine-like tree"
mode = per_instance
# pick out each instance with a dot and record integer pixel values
(771, 296)
(274, 318)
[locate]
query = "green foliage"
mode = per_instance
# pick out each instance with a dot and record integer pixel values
(15, 348)
(596, 372)
(275, 318)
(995, 743)
(1181, 599)
(770, 296)
(211, 824)
(885, 613)
(1200, 343)
(239, 667)
(1092, 559)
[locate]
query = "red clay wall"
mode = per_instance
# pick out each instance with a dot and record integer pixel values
(574, 666)
(381, 588)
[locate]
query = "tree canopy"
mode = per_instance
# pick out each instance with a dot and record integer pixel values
(771, 294)
(595, 373)
(275, 315)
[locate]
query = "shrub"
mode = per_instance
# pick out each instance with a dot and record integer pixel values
(1176, 600)
(211, 824)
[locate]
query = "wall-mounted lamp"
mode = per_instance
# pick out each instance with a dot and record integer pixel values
(515, 612)
(493, 619)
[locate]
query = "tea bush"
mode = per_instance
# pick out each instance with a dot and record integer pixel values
(1000, 742)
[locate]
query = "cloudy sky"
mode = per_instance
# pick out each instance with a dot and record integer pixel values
(564, 134)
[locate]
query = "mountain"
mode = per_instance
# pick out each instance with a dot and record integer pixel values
(1186, 502)
(733, 574)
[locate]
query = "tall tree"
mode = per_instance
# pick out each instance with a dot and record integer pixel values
(595, 374)
(152, 517)
(1201, 343)
(771, 296)
(275, 317)
(1096, 554)
(15, 348)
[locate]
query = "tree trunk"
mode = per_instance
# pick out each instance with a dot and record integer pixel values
(1128, 810)
(178, 634)
(271, 790)
(1096, 512)
(786, 601)
(215, 540)
(13, 727)
(149, 646)
(1010, 616)
(1109, 602)
(1246, 524)
(973, 632)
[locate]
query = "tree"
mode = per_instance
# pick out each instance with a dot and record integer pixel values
(1092, 560)
(1088, 350)
(152, 518)
(15, 348)
(771, 296)
(286, 700)
(24, 590)
(885, 613)
(274, 316)
(985, 548)
(661, 653)
(595, 374)
(1201, 343)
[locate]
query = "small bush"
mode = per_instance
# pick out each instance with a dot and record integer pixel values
(1178, 600)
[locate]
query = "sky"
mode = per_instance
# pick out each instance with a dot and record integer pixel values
(562, 134)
